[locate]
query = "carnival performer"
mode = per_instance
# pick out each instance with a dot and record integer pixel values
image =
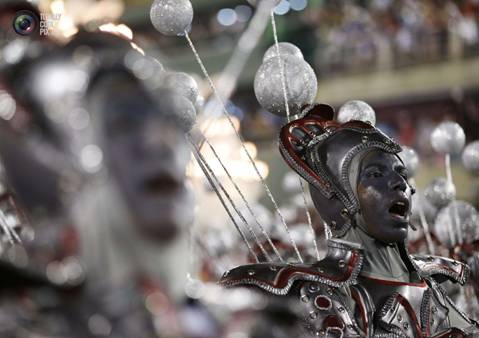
(130, 204)
(367, 285)
(131, 215)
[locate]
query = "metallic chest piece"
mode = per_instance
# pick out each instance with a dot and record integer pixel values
(326, 312)
(408, 309)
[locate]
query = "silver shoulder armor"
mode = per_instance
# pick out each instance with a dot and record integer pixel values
(441, 268)
(339, 268)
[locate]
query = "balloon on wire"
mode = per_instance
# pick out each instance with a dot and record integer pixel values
(285, 48)
(178, 107)
(167, 25)
(183, 84)
(468, 221)
(470, 157)
(448, 138)
(171, 17)
(144, 67)
(356, 110)
(410, 159)
(440, 192)
(300, 79)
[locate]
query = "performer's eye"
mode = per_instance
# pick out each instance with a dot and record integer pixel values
(375, 174)
(403, 172)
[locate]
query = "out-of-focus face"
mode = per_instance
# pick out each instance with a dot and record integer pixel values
(147, 156)
(384, 196)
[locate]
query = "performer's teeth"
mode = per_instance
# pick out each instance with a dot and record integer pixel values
(399, 208)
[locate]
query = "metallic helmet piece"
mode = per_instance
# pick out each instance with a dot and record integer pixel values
(321, 151)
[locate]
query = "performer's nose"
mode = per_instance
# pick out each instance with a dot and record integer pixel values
(398, 182)
(153, 140)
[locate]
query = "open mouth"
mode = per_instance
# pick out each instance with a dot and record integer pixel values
(399, 209)
(161, 184)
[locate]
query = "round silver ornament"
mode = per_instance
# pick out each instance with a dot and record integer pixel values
(182, 84)
(470, 157)
(440, 192)
(356, 110)
(285, 48)
(179, 108)
(139, 63)
(468, 220)
(410, 159)
(147, 69)
(448, 138)
(300, 80)
(171, 17)
(255, 3)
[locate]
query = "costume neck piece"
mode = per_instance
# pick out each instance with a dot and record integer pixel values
(381, 261)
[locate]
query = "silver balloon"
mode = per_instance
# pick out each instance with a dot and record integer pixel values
(182, 84)
(171, 17)
(179, 108)
(356, 110)
(410, 159)
(285, 48)
(301, 85)
(468, 220)
(448, 138)
(144, 67)
(470, 157)
(440, 192)
(256, 2)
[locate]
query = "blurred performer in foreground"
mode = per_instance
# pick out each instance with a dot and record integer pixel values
(122, 159)
(367, 285)
(118, 139)
(133, 220)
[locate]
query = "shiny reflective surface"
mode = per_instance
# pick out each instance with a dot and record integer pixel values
(384, 197)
